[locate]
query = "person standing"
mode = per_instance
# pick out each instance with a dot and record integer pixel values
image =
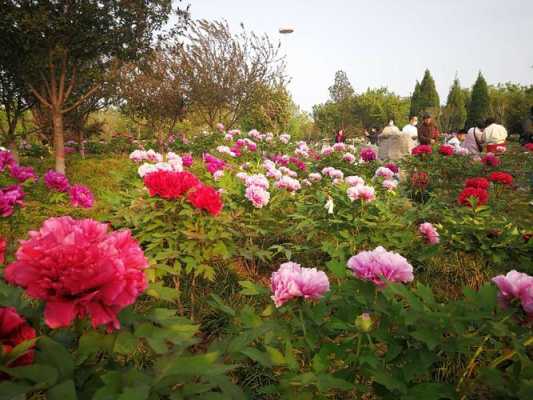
(428, 133)
(527, 128)
(339, 137)
(411, 128)
(494, 136)
(373, 137)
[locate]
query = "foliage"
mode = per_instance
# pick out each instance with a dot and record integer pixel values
(342, 88)
(453, 117)
(427, 98)
(479, 107)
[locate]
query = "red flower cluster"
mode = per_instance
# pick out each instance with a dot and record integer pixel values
(420, 180)
(501, 177)
(14, 330)
(169, 184)
(173, 185)
(446, 150)
(529, 146)
(478, 183)
(421, 149)
(469, 193)
(206, 198)
(80, 269)
(491, 160)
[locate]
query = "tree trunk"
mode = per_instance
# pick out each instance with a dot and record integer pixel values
(14, 151)
(82, 144)
(59, 144)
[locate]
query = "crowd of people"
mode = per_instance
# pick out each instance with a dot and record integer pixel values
(489, 136)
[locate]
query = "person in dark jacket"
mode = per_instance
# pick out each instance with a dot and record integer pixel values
(527, 129)
(428, 133)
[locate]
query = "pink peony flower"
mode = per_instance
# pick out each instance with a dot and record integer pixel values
(56, 181)
(220, 127)
(3, 245)
(326, 151)
(314, 177)
(257, 180)
(138, 156)
(384, 172)
(22, 174)
(368, 155)
(389, 184)
(430, 233)
(349, 158)
(361, 192)
(354, 180)
(516, 285)
(339, 147)
(288, 183)
(81, 196)
(10, 196)
(257, 195)
(291, 281)
(380, 265)
(79, 269)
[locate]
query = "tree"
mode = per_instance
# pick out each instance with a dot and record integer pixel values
(270, 112)
(152, 94)
(342, 88)
(223, 73)
(455, 111)
(14, 102)
(55, 47)
(479, 107)
(415, 100)
(510, 103)
(376, 106)
(428, 98)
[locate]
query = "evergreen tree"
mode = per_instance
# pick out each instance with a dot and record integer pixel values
(455, 107)
(479, 107)
(428, 98)
(342, 88)
(415, 100)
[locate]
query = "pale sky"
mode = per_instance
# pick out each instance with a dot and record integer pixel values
(389, 42)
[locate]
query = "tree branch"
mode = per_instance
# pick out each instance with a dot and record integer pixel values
(39, 97)
(81, 99)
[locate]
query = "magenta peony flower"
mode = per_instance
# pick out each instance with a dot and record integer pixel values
(380, 265)
(430, 233)
(393, 167)
(257, 195)
(81, 196)
(361, 192)
(10, 196)
(291, 281)
(22, 174)
(3, 245)
(6, 160)
(56, 181)
(187, 160)
(516, 285)
(80, 270)
(491, 160)
(368, 155)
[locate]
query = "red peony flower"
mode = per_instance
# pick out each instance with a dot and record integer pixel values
(206, 198)
(529, 146)
(3, 246)
(501, 177)
(169, 184)
(446, 150)
(14, 330)
(420, 180)
(479, 183)
(466, 196)
(491, 160)
(79, 269)
(421, 149)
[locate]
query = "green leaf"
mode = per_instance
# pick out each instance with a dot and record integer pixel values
(125, 343)
(63, 391)
(251, 289)
(201, 365)
(13, 391)
(276, 356)
(258, 356)
(337, 267)
(326, 382)
(434, 391)
(139, 392)
(218, 304)
(54, 354)
(20, 349)
(44, 375)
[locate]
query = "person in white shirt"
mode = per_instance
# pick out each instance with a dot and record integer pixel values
(411, 128)
(457, 140)
(494, 135)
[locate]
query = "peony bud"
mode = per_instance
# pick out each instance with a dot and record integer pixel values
(364, 323)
